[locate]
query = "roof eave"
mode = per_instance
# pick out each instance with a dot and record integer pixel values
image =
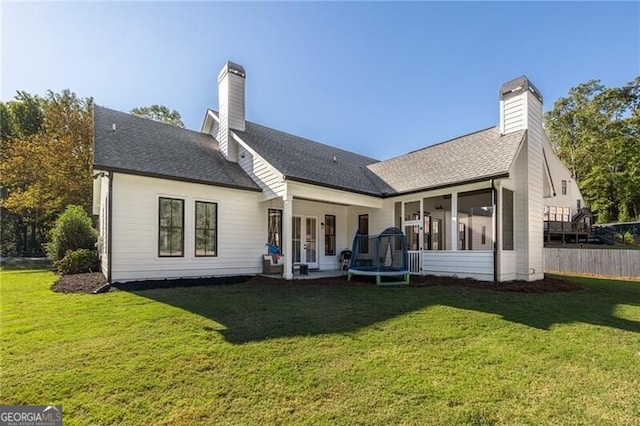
(326, 185)
(500, 175)
(176, 178)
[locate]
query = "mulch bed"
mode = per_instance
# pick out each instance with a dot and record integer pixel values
(79, 283)
(548, 285)
(90, 283)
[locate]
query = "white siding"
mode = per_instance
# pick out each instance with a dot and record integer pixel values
(264, 174)
(507, 265)
(461, 264)
(103, 229)
(241, 230)
(535, 189)
(232, 112)
(512, 115)
(528, 212)
(231, 101)
(520, 219)
(97, 184)
(336, 196)
(559, 172)
(379, 220)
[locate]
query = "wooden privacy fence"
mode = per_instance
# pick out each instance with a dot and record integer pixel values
(609, 262)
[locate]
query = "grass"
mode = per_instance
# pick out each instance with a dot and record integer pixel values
(266, 354)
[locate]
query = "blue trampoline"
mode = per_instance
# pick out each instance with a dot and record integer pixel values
(383, 255)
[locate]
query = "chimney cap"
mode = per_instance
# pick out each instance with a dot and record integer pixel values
(517, 85)
(233, 68)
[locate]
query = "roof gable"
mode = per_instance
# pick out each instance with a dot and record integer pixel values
(480, 155)
(141, 146)
(312, 162)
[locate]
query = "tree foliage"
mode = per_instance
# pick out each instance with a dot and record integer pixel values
(72, 231)
(595, 130)
(159, 113)
(78, 261)
(46, 161)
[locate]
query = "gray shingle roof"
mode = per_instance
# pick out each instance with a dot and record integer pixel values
(475, 156)
(308, 161)
(146, 147)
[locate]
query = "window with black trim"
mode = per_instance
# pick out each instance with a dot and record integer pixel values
(363, 229)
(329, 235)
(507, 219)
(171, 227)
(206, 229)
(274, 226)
(564, 187)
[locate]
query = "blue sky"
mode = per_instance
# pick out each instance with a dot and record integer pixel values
(379, 78)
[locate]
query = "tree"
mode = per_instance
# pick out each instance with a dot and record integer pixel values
(159, 113)
(20, 118)
(47, 160)
(595, 131)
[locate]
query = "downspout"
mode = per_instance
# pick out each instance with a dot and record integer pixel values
(495, 226)
(109, 226)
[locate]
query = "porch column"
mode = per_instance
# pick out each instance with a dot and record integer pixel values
(454, 221)
(497, 210)
(287, 230)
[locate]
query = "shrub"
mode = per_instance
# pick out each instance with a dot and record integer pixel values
(72, 231)
(78, 261)
(628, 238)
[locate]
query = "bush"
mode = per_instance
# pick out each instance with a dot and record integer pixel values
(78, 261)
(628, 238)
(72, 231)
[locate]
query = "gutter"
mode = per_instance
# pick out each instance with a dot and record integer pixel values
(109, 228)
(495, 226)
(176, 178)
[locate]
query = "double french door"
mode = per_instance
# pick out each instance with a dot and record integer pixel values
(305, 240)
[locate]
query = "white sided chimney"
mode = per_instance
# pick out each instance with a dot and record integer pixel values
(519, 101)
(231, 104)
(521, 109)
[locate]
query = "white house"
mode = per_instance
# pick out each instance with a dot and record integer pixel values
(178, 203)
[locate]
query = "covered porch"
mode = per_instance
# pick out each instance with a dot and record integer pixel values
(465, 231)
(313, 225)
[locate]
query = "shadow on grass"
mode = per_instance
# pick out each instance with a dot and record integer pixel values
(256, 312)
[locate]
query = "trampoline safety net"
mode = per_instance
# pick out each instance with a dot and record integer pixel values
(380, 255)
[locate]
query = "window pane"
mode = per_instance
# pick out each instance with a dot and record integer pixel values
(212, 215)
(363, 228)
(205, 233)
(412, 210)
(507, 219)
(171, 227)
(329, 235)
(201, 215)
(176, 241)
(475, 213)
(397, 207)
(165, 247)
(200, 243)
(211, 242)
(274, 227)
(165, 212)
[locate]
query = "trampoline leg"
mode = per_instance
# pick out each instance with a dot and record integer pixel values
(378, 279)
(349, 276)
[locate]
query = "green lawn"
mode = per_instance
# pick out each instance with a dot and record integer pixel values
(267, 354)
